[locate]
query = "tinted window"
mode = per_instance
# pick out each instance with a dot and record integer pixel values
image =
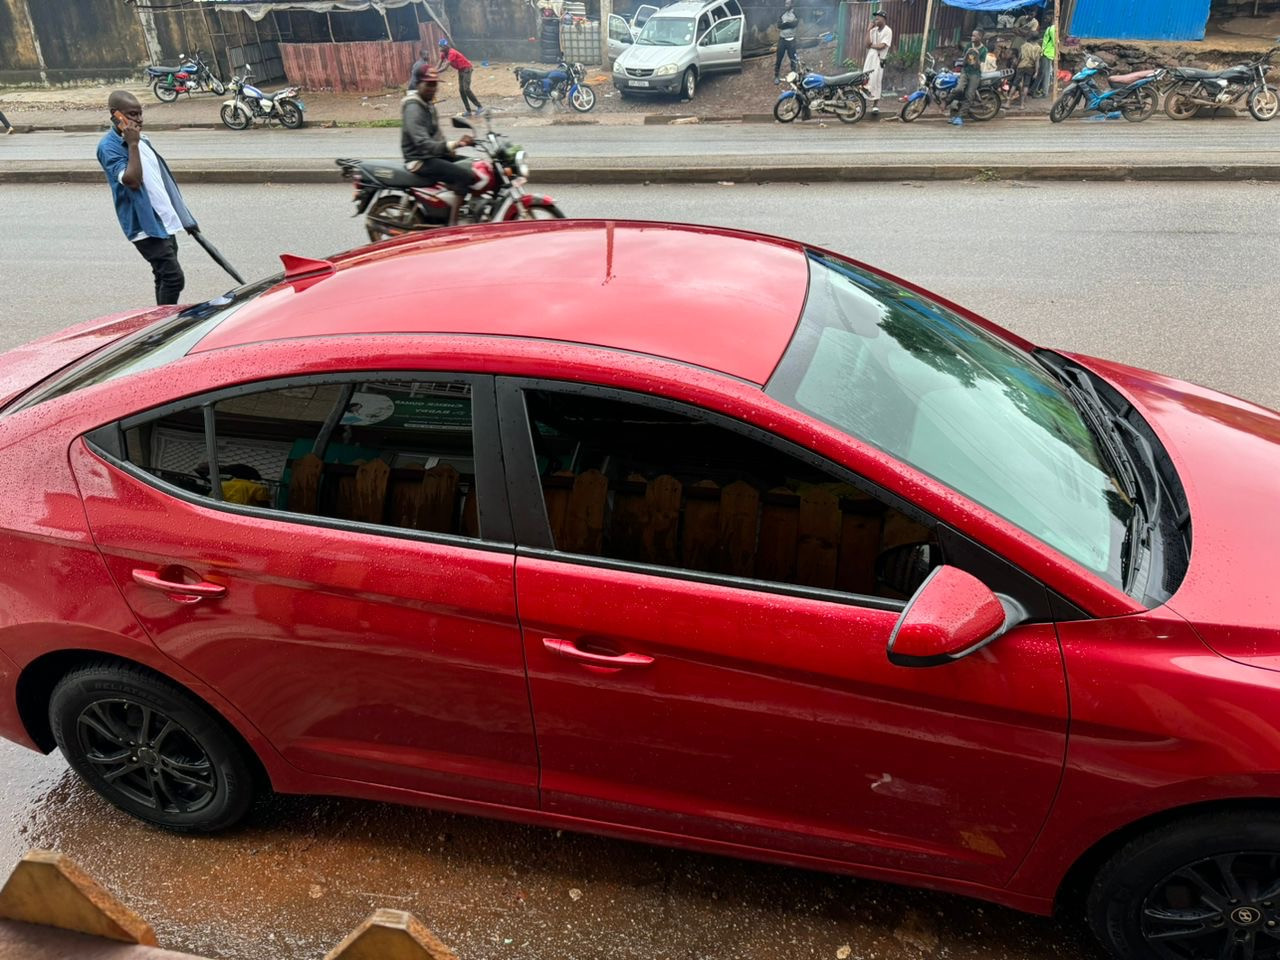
(734, 9)
(393, 453)
(632, 482)
(893, 368)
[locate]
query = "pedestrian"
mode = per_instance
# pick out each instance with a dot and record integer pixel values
(424, 59)
(148, 204)
(787, 24)
(966, 94)
(1024, 75)
(1048, 56)
(4, 122)
(426, 152)
(879, 40)
(450, 57)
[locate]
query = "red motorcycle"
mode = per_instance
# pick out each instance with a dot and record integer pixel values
(395, 201)
(192, 75)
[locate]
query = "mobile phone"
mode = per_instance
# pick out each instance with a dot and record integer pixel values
(120, 118)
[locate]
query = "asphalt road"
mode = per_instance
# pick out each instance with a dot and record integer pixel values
(1221, 140)
(1175, 277)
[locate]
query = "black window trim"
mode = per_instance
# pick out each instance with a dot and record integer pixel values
(493, 509)
(533, 530)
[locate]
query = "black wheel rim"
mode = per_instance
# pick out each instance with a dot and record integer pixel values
(144, 756)
(1227, 906)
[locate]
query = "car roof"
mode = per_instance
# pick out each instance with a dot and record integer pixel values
(724, 300)
(686, 8)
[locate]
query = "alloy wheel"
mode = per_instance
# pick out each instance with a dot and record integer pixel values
(1226, 906)
(146, 756)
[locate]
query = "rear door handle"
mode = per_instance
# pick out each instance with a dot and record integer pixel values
(179, 592)
(570, 651)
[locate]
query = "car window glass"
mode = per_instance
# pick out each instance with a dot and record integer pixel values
(727, 32)
(627, 481)
(734, 8)
(704, 22)
(618, 29)
(391, 453)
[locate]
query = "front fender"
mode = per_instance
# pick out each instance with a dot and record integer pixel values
(919, 94)
(786, 95)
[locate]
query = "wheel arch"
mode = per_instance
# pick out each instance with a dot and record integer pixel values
(38, 678)
(1075, 883)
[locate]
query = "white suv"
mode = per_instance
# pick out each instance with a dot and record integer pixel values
(679, 45)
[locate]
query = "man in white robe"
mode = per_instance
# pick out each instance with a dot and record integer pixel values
(879, 40)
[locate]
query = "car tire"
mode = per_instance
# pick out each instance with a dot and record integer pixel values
(689, 85)
(1200, 882)
(151, 748)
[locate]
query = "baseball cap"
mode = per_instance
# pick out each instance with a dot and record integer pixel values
(444, 41)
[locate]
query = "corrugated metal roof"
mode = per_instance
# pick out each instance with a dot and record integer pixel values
(1140, 19)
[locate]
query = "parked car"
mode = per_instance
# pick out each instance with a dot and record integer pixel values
(789, 560)
(679, 45)
(623, 30)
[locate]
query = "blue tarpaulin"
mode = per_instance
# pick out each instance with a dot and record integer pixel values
(995, 6)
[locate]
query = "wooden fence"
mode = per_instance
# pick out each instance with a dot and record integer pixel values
(361, 66)
(822, 536)
(50, 909)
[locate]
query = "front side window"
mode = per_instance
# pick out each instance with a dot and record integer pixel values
(728, 32)
(893, 368)
(632, 482)
(395, 453)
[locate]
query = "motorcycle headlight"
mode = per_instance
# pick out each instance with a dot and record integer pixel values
(666, 70)
(791, 77)
(521, 165)
(924, 81)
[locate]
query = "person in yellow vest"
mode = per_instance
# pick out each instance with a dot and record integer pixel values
(1048, 54)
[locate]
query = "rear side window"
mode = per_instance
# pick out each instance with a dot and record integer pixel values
(385, 452)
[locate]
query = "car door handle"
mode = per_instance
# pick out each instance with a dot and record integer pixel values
(570, 651)
(179, 592)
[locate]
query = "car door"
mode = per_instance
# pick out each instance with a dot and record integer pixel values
(705, 612)
(620, 36)
(333, 556)
(641, 17)
(720, 48)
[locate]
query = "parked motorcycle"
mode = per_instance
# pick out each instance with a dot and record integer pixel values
(395, 201)
(941, 87)
(1193, 89)
(192, 75)
(808, 93)
(248, 104)
(1134, 95)
(561, 84)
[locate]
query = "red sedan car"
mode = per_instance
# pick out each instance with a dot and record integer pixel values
(672, 533)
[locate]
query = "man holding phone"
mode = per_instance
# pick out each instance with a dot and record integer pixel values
(148, 204)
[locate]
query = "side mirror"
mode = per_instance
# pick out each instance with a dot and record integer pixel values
(951, 616)
(462, 124)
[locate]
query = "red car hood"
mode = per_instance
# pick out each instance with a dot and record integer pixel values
(23, 367)
(1227, 454)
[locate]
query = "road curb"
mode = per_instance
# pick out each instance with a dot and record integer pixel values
(669, 171)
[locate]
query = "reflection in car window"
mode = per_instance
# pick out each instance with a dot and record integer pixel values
(392, 453)
(893, 368)
(633, 482)
(666, 32)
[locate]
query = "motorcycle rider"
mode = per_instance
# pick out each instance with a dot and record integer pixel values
(966, 94)
(426, 151)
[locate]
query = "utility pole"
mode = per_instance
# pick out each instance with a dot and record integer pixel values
(606, 11)
(924, 44)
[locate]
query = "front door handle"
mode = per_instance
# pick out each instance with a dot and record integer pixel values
(614, 661)
(178, 591)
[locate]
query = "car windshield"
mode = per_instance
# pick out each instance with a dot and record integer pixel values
(148, 348)
(666, 32)
(899, 371)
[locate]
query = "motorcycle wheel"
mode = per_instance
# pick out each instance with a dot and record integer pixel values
(913, 110)
(165, 93)
(1063, 107)
(533, 94)
(784, 111)
(583, 99)
(1264, 104)
(1178, 105)
(551, 212)
(235, 117)
(987, 107)
(1140, 106)
(217, 86)
(385, 220)
(290, 115)
(851, 109)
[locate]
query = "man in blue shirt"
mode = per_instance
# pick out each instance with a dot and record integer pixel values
(148, 205)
